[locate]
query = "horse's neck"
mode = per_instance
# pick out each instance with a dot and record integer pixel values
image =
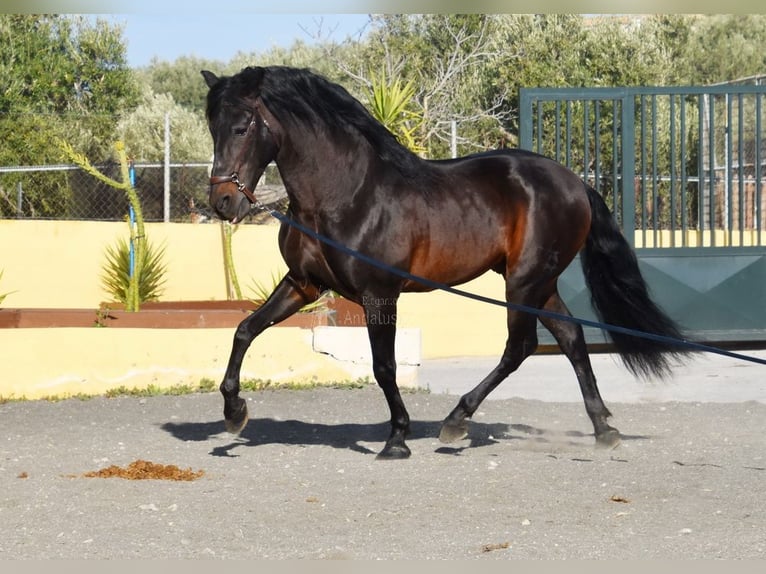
(320, 176)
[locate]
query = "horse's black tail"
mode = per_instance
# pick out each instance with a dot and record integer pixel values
(620, 296)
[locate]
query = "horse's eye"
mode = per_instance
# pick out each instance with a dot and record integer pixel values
(240, 131)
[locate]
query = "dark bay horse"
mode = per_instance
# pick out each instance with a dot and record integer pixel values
(519, 214)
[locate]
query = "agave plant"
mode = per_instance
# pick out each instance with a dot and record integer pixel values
(262, 291)
(392, 103)
(115, 278)
(131, 296)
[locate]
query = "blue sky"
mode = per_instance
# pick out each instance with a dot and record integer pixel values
(195, 33)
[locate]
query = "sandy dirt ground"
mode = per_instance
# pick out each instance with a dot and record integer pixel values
(301, 481)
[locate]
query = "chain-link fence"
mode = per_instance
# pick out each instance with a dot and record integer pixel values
(168, 192)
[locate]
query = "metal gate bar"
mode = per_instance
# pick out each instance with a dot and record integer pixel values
(683, 171)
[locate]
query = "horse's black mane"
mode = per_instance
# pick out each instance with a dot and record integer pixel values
(299, 93)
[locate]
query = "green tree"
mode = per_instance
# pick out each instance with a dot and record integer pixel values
(567, 50)
(64, 78)
(725, 48)
(669, 36)
(181, 77)
(444, 56)
(65, 65)
(544, 50)
(181, 80)
(142, 130)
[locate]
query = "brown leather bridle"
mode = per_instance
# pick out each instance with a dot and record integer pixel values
(234, 178)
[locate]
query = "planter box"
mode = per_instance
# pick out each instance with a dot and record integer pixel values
(36, 318)
(177, 315)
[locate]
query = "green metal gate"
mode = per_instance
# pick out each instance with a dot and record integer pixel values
(684, 171)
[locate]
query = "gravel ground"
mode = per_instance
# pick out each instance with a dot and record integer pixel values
(302, 480)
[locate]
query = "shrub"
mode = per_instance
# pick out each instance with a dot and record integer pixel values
(116, 272)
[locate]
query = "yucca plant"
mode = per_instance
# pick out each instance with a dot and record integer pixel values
(393, 104)
(138, 239)
(263, 291)
(151, 272)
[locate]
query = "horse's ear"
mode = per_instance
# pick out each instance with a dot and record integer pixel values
(210, 78)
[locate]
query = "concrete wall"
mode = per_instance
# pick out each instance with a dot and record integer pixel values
(58, 264)
(53, 264)
(67, 361)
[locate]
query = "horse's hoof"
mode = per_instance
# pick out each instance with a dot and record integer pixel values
(236, 419)
(452, 432)
(394, 452)
(609, 439)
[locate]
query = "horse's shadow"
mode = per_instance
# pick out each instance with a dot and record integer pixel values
(263, 431)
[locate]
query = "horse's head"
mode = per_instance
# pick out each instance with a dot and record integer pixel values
(243, 141)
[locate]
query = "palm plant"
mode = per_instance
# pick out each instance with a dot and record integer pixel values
(392, 103)
(150, 276)
(132, 295)
(262, 291)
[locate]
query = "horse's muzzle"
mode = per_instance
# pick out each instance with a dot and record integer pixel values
(229, 204)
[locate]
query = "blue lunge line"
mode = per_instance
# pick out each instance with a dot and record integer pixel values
(539, 312)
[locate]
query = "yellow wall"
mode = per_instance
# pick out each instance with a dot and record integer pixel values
(57, 264)
(63, 362)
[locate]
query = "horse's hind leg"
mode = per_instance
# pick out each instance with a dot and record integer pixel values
(286, 299)
(570, 338)
(522, 342)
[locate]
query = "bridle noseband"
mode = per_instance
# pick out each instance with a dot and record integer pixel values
(234, 177)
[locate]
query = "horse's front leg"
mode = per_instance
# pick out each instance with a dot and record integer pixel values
(288, 297)
(380, 314)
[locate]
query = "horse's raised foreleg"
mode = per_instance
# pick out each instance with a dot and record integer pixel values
(570, 338)
(288, 297)
(380, 314)
(522, 342)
